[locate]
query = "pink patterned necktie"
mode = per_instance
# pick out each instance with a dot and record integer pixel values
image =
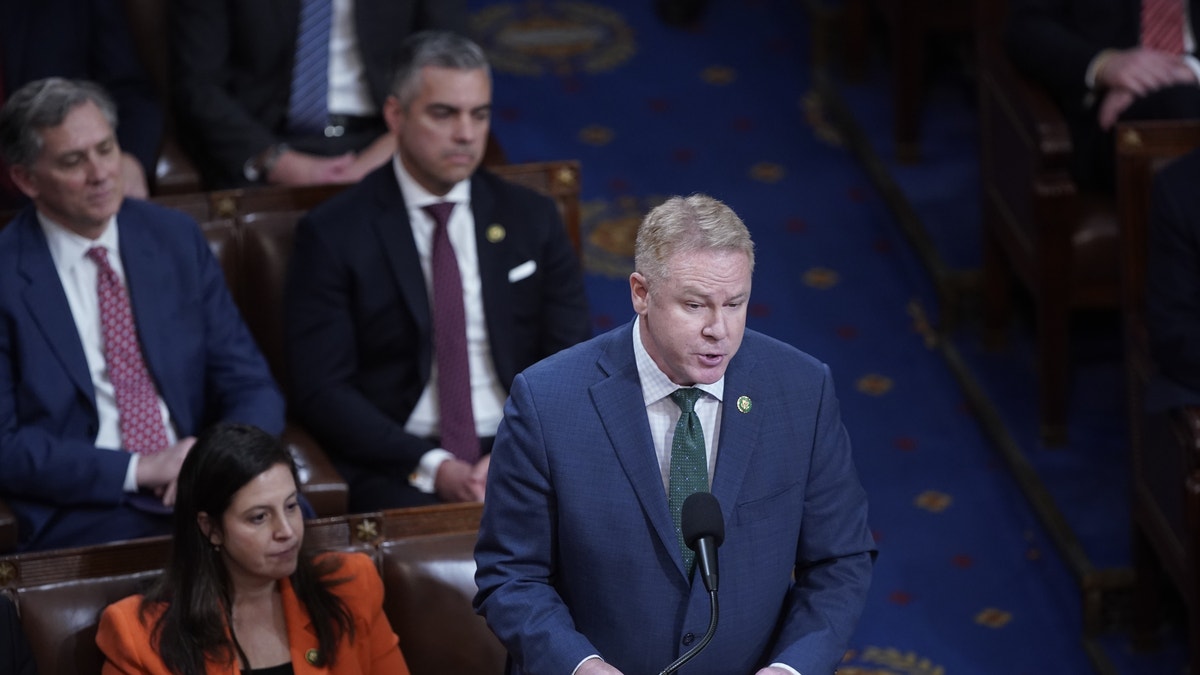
(142, 427)
(1162, 25)
(456, 419)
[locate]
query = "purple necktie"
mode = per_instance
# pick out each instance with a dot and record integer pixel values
(142, 427)
(455, 416)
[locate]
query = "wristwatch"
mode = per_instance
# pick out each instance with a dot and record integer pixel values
(258, 167)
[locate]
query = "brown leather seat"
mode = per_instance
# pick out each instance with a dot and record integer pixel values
(61, 619)
(430, 583)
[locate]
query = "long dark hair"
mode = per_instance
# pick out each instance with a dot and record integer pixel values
(195, 591)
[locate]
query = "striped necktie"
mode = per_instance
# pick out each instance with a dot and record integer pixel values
(308, 104)
(1162, 25)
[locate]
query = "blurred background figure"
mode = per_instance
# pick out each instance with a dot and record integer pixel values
(83, 39)
(300, 103)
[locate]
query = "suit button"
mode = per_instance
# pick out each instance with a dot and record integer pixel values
(688, 639)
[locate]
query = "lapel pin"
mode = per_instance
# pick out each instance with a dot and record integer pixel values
(311, 656)
(744, 404)
(495, 233)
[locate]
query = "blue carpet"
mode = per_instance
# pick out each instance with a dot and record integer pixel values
(968, 580)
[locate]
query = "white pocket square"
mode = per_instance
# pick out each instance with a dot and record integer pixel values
(522, 271)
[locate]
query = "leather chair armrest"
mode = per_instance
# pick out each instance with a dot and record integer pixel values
(8, 528)
(320, 482)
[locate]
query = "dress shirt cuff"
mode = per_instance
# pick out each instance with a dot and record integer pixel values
(577, 667)
(1093, 69)
(786, 667)
(426, 474)
(131, 473)
(1193, 64)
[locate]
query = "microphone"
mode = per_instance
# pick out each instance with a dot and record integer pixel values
(703, 531)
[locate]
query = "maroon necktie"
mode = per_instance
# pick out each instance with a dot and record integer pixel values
(1162, 25)
(455, 416)
(142, 427)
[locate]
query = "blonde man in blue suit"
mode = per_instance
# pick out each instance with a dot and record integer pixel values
(91, 439)
(580, 566)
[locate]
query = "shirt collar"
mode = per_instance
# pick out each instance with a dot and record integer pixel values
(67, 248)
(655, 383)
(416, 196)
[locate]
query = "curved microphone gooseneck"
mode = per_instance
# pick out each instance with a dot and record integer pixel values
(703, 531)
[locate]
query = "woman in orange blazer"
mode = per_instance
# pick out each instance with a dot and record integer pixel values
(240, 594)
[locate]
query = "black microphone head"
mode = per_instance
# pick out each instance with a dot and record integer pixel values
(701, 517)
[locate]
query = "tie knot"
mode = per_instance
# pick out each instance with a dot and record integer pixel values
(440, 212)
(686, 398)
(99, 255)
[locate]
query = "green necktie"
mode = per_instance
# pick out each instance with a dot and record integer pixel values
(689, 464)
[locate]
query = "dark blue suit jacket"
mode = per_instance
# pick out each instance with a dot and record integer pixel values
(1173, 285)
(87, 39)
(359, 329)
(200, 354)
(577, 554)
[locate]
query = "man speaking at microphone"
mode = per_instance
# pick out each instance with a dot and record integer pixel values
(582, 564)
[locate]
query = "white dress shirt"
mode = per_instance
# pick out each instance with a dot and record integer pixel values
(487, 394)
(663, 413)
(348, 90)
(78, 275)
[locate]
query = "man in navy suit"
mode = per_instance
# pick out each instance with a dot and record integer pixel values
(581, 568)
(360, 308)
(111, 310)
(234, 64)
(1090, 56)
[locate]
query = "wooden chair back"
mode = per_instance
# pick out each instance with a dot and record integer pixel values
(1164, 445)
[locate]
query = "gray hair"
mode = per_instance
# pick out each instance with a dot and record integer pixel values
(43, 104)
(685, 224)
(442, 49)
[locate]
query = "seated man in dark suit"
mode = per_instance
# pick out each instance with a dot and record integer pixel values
(292, 93)
(118, 338)
(417, 295)
(1108, 60)
(1173, 285)
(85, 39)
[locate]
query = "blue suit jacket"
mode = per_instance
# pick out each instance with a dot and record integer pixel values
(197, 349)
(577, 554)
